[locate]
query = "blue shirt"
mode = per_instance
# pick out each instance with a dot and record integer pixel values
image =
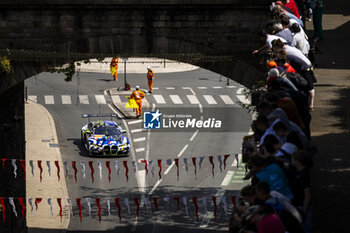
(275, 177)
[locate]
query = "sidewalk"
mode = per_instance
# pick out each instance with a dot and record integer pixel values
(136, 65)
(42, 144)
(331, 122)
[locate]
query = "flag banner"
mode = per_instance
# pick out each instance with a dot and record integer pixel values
(125, 164)
(92, 170)
(225, 158)
(195, 167)
(116, 200)
(12, 203)
(108, 203)
(4, 164)
(151, 165)
(194, 200)
(220, 163)
(200, 162)
(108, 165)
(99, 166)
(66, 169)
(74, 165)
(21, 202)
(31, 164)
(116, 168)
(37, 201)
(212, 164)
(48, 167)
(50, 205)
(14, 165)
(160, 168)
(59, 203)
(213, 198)
(186, 165)
(23, 166)
(82, 165)
(58, 170)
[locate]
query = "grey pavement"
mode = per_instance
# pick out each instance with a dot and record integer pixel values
(330, 122)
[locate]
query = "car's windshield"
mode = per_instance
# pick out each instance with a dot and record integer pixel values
(108, 131)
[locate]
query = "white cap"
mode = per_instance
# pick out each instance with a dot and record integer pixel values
(274, 72)
(148, 68)
(137, 87)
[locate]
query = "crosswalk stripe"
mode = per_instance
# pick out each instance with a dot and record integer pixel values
(33, 98)
(240, 91)
(83, 99)
(140, 139)
(243, 99)
(226, 99)
(155, 88)
(139, 149)
(159, 99)
(134, 122)
(170, 88)
(176, 99)
(202, 87)
(231, 86)
(145, 102)
(100, 99)
(49, 99)
(66, 99)
(137, 130)
(209, 99)
(116, 98)
(193, 99)
(217, 87)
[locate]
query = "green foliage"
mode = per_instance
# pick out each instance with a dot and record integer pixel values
(5, 65)
(68, 71)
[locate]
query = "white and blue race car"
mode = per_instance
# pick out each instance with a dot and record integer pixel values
(104, 137)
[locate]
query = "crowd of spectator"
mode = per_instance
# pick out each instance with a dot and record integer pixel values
(279, 155)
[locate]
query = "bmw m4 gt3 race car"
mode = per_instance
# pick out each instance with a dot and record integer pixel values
(104, 137)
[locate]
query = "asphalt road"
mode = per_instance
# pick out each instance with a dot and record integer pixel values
(49, 89)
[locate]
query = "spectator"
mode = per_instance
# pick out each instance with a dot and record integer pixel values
(264, 222)
(302, 161)
(299, 40)
(317, 9)
(280, 206)
(283, 32)
(298, 139)
(271, 174)
(292, 7)
(267, 38)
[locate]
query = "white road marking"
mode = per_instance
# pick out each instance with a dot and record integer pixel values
(231, 86)
(188, 88)
(145, 102)
(243, 99)
(227, 178)
(173, 163)
(142, 175)
(210, 99)
(202, 88)
(83, 99)
(33, 98)
(137, 130)
(134, 122)
(49, 99)
(226, 99)
(155, 88)
(116, 99)
(155, 186)
(159, 99)
(66, 99)
(200, 108)
(207, 218)
(139, 149)
(100, 99)
(235, 162)
(194, 135)
(176, 99)
(217, 87)
(170, 88)
(240, 91)
(193, 99)
(139, 139)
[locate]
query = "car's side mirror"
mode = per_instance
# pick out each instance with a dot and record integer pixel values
(123, 131)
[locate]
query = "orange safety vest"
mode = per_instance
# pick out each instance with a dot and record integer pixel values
(115, 62)
(137, 95)
(150, 75)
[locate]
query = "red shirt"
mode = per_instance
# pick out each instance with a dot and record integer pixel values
(289, 68)
(271, 223)
(293, 7)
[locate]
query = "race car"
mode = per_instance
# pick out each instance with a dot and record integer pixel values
(104, 137)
